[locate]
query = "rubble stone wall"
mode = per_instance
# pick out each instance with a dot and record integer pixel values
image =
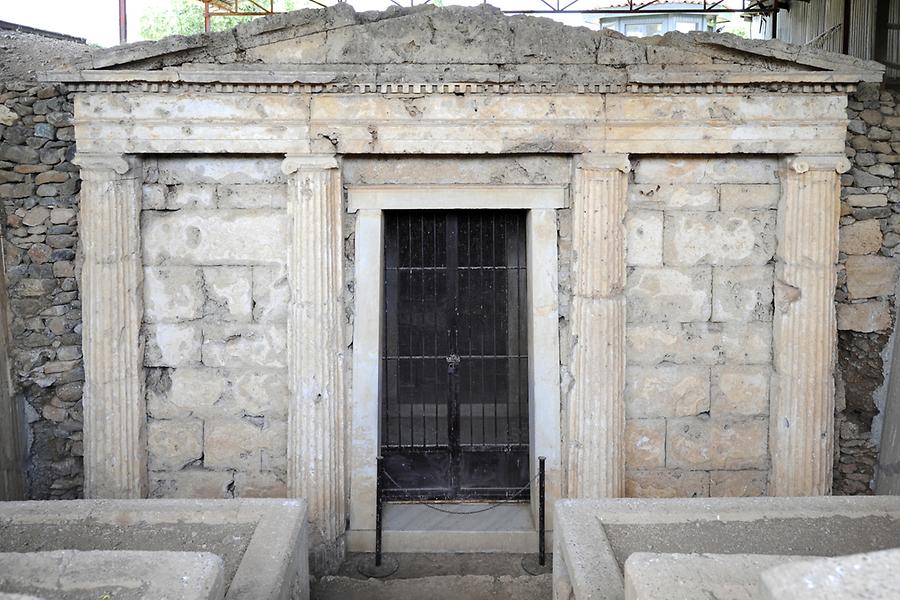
(214, 238)
(867, 280)
(39, 189)
(701, 241)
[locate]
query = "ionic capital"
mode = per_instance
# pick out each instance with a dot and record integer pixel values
(818, 162)
(604, 162)
(293, 163)
(96, 166)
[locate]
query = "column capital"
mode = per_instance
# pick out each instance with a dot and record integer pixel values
(293, 163)
(101, 165)
(594, 161)
(801, 163)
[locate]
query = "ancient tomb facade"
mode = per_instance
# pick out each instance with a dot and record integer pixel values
(675, 203)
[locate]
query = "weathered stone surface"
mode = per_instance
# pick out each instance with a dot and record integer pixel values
(870, 276)
(735, 238)
(244, 444)
(737, 483)
(740, 390)
(749, 196)
(706, 170)
(666, 391)
(661, 196)
(174, 444)
(742, 293)
(868, 316)
(171, 344)
(668, 483)
(271, 294)
(228, 293)
(645, 443)
(668, 294)
(704, 443)
(173, 294)
(863, 237)
(644, 242)
(244, 345)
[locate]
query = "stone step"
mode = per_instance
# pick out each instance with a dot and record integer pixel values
(439, 587)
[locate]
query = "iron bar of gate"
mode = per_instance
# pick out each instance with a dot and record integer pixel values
(379, 507)
(542, 555)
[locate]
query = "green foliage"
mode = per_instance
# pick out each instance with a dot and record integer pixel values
(185, 17)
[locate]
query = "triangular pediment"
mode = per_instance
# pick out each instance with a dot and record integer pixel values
(472, 45)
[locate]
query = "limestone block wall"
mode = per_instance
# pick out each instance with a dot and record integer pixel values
(214, 237)
(700, 247)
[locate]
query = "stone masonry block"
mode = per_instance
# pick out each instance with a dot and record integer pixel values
(259, 485)
(171, 344)
(220, 169)
(645, 443)
(742, 293)
(706, 170)
(871, 276)
(244, 345)
(660, 196)
(253, 196)
(707, 443)
(865, 317)
(862, 237)
(734, 238)
(271, 294)
(186, 391)
(644, 242)
(243, 444)
(153, 196)
(191, 483)
(214, 237)
(747, 343)
(666, 483)
(750, 196)
(740, 390)
(228, 296)
(668, 294)
(191, 195)
(737, 483)
(680, 343)
(666, 391)
(173, 444)
(172, 294)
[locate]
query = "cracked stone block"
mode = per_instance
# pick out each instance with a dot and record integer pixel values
(259, 485)
(191, 483)
(870, 276)
(221, 170)
(252, 196)
(666, 483)
(740, 390)
(244, 345)
(717, 443)
(662, 196)
(737, 483)
(191, 195)
(666, 391)
(668, 294)
(173, 444)
(243, 444)
(645, 443)
(862, 237)
(865, 317)
(748, 196)
(679, 343)
(742, 293)
(715, 238)
(228, 293)
(172, 294)
(214, 237)
(706, 170)
(644, 242)
(171, 344)
(186, 391)
(271, 294)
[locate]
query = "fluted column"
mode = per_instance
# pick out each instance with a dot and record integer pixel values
(112, 308)
(316, 421)
(596, 412)
(802, 410)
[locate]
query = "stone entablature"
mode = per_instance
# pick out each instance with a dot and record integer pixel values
(800, 128)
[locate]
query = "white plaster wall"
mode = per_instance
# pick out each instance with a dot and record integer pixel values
(701, 238)
(214, 236)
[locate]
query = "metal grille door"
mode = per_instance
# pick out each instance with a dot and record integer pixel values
(454, 402)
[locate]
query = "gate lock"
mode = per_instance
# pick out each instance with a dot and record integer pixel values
(452, 363)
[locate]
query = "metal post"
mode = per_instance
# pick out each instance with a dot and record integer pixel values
(206, 16)
(123, 22)
(379, 504)
(542, 556)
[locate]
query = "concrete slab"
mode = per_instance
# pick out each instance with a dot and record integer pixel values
(262, 542)
(75, 575)
(869, 576)
(594, 538)
(651, 576)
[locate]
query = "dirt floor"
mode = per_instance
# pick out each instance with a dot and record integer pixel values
(230, 542)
